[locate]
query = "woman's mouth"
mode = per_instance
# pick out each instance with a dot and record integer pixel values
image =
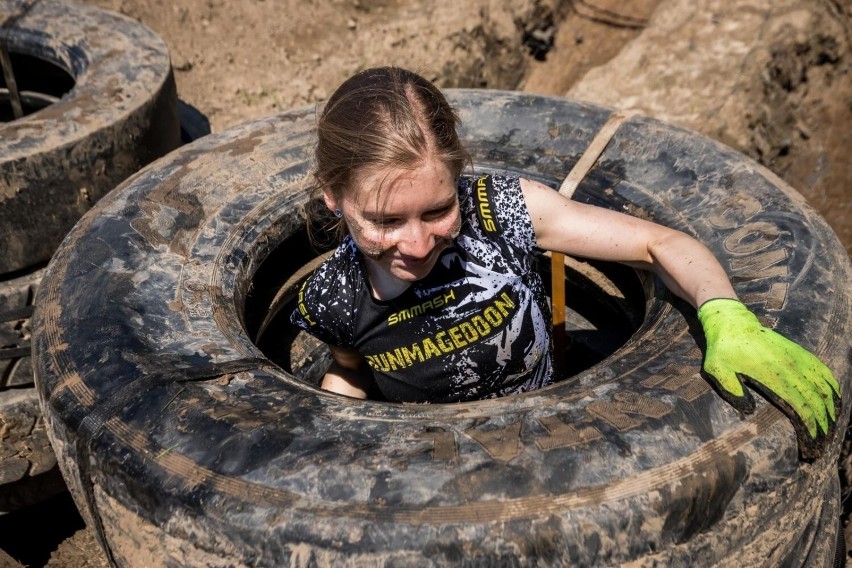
(414, 262)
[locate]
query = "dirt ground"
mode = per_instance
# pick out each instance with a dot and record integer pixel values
(770, 78)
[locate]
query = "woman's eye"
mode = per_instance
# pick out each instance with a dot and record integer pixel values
(386, 222)
(438, 213)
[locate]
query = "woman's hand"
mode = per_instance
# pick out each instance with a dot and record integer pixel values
(348, 374)
(740, 350)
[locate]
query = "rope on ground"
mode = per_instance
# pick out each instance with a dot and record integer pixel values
(607, 17)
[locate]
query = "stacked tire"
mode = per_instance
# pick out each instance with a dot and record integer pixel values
(97, 101)
(184, 443)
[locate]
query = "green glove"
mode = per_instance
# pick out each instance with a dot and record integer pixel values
(740, 349)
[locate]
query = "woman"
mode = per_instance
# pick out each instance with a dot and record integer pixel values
(433, 294)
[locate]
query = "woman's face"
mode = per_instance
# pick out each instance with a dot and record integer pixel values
(402, 219)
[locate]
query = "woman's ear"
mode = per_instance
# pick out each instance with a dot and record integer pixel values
(330, 200)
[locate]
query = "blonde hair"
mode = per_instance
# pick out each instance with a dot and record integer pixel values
(386, 117)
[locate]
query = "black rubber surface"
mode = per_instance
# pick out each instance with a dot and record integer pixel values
(193, 123)
(120, 113)
(28, 470)
(100, 103)
(182, 443)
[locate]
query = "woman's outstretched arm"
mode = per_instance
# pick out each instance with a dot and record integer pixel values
(740, 351)
(686, 266)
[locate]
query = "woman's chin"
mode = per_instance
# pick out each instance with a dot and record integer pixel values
(412, 271)
(411, 274)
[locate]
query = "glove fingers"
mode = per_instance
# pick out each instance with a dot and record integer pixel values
(823, 382)
(729, 387)
(828, 379)
(813, 371)
(811, 442)
(800, 401)
(807, 378)
(806, 370)
(796, 376)
(818, 398)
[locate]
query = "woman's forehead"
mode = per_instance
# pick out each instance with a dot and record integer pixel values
(391, 189)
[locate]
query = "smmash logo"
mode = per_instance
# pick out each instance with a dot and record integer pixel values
(484, 205)
(432, 303)
(302, 308)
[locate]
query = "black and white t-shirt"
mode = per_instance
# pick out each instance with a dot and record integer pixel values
(477, 326)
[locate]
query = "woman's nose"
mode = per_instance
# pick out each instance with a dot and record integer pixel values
(416, 241)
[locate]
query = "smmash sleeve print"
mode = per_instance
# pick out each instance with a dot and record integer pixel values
(476, 327)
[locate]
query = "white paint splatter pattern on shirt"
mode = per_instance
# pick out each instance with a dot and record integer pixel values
(477, 326)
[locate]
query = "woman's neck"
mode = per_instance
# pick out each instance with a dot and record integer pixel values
(385, 286)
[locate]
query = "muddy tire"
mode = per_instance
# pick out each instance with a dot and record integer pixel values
(183, 443)
(28, 470)
(115, 110)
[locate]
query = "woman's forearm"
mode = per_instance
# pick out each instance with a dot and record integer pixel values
(688, 268)
(348, 374)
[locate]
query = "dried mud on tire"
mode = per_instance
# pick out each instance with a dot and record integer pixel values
(116, 112)
(99, 102)
(182, 443)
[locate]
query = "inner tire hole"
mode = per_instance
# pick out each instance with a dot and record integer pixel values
(605, 306)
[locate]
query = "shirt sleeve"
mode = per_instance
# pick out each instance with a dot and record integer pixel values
(498, 214)
(510, 210)
(324, 303)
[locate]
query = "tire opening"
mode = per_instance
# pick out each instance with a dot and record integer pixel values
(39, 83)
(605, 306)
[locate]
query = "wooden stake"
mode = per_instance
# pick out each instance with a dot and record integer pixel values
(11, 83)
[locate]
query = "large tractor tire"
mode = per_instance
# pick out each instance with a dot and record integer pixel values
(185, 443)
